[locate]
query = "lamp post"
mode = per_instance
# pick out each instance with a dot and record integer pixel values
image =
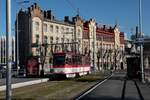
(8, 49)
(102, 60)
(141, 36)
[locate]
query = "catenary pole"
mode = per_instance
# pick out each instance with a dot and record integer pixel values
(141, 36)
(8, 49)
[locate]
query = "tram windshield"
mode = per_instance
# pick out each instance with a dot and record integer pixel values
(58, 60)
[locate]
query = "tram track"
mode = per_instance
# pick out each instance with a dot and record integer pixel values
(92, 88)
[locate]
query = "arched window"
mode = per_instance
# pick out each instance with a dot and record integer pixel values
(37, 39)
(51, 28)
(45, 27)
(36, 24)
(57, 29)
(45, 39)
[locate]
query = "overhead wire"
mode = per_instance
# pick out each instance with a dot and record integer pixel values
(72, 6)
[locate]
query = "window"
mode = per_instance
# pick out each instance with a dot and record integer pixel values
(51, 28)
(37, 39)
(62, 30)
(72, 31)
(36, 26)
(45, 27)
(51, 40)
(57, 39)
(67, 40)
(67, 30)
(79, 32)
(57, 29)
(45, 39)
(72, 40)
(59, 60)
(62, 40)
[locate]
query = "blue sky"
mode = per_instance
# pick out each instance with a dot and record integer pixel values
(124, 12)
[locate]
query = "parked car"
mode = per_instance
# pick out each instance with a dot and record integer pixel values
(2, 71)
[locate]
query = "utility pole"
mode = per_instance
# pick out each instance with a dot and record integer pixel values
(141, 37)
(102, 60)
(94, 49)
(75, 38)
(8, 49)
(17, 46)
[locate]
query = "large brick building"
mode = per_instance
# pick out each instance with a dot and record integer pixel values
(40, 31)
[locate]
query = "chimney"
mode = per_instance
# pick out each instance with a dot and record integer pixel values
(53, 17)
(66, 19)
(45, 14)
(35, 5)
(49, 14)
(73, 19)
(110, 29)
(32, 7)
(29, 9)
(104, 27)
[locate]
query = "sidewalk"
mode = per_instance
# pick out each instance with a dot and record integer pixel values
(119, 88)
(20, 82)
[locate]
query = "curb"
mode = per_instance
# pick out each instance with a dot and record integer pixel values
(91, 88)
(22, 84)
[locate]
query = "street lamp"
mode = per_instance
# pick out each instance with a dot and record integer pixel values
(141, 36)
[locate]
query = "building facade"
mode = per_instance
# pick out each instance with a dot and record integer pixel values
(3, 50)
(41, 34)
(105, 45)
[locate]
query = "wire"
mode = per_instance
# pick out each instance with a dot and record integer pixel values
(73, 6)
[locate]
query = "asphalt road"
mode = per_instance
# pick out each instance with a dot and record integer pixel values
(118, 87)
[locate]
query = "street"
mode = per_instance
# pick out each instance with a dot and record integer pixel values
(118, 87)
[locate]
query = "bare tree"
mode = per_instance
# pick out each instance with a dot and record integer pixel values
(99, 53)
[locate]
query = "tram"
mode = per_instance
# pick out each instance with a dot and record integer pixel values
(70, 64)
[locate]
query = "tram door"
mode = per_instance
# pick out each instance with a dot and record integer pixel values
(133, 67)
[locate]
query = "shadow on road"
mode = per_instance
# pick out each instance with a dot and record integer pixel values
(107, 98)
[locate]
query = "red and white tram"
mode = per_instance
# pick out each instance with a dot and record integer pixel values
(70, 64)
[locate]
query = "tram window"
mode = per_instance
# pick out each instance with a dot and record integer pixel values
(73, 60)
(68, 60)
(80, 60)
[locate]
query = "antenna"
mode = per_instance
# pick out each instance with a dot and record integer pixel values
(116, 22)
(132, 31)
(78, 11)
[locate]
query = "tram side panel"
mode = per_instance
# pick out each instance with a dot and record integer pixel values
(70, 65)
